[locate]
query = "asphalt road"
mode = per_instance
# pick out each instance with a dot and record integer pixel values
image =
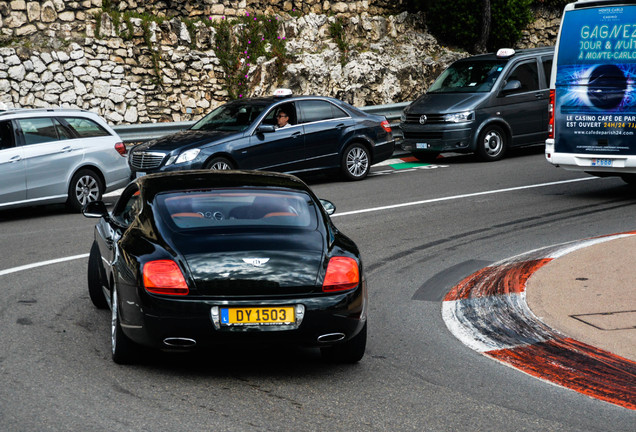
(426, 230)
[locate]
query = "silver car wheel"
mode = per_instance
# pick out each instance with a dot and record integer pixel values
(220, 166)
(357, 162)
(86, 189)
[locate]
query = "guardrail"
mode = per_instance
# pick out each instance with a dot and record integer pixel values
(142, 132)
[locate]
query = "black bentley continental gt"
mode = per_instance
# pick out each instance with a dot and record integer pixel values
(192, 259)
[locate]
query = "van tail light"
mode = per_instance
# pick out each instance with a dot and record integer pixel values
(342, 274)
(164, 277)
(386, 126)
(121, 148)
(551, 115)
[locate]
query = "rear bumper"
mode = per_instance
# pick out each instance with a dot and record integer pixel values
(192, 320)
(600, 164)
(383, 151)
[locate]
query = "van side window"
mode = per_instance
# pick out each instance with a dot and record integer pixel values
(527, 74)
(6, 135)
(86, 128)
(547, 69)
(41, 130)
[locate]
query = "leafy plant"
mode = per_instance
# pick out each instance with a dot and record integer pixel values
(240, 41)
(337, 33)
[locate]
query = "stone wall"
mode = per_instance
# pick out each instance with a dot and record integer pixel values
(543, 31)
(62, 59)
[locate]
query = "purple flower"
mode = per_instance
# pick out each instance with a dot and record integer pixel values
(240, 95)
(247, 13)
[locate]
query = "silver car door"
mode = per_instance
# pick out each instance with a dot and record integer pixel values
(12, 167)
(51, 157)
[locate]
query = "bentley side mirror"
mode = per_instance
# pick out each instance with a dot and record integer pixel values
(328, 206)
(95, 209)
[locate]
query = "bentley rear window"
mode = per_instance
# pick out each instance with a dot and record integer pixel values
(237, 208)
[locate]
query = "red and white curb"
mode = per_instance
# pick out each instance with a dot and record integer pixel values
(488, 312)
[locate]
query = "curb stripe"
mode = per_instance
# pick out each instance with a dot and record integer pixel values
(565, 361)
(488, 312)
(496, 280)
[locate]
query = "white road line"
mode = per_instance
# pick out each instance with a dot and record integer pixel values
(374, 209)
(40, 264)
(433, 200)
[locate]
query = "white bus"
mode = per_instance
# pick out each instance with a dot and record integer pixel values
(593, 90)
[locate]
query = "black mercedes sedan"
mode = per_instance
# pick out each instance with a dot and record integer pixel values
(282, 133)
(200, 258)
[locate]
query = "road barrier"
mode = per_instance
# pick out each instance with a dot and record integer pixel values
(137, 133)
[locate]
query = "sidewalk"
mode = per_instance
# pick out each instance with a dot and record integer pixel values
(590, 295)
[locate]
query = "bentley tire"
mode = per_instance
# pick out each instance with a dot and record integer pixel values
(123, 349)
(95, 280)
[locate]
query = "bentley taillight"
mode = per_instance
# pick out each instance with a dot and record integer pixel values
(121, 148)
(164, 277)
(342, 274)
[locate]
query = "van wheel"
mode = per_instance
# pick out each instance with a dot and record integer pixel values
(219, 164)
(85, 187)
(491, 145)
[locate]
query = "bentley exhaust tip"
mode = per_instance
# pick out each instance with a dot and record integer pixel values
(331, 337)
(179, 342)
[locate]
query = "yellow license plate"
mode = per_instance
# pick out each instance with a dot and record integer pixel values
(258, 316)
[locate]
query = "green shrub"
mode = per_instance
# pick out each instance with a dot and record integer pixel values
(557, 5)
(459, 22)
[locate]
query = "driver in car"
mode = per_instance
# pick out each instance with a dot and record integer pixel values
(282, 120)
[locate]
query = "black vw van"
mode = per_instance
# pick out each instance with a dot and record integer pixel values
(482, 104)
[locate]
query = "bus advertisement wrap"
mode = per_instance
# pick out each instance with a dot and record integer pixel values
(595, 85)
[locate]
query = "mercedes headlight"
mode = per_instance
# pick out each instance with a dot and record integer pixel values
(186, 156)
